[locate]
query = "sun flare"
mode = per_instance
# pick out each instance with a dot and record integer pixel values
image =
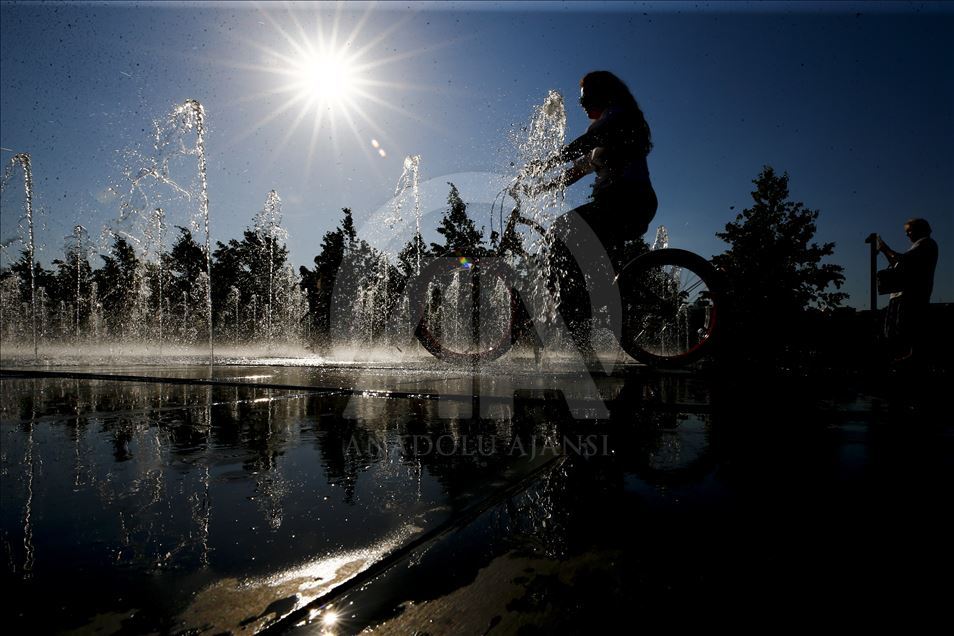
(326, 78)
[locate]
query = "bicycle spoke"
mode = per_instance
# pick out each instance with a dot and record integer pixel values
(667, 310)
(468, 316)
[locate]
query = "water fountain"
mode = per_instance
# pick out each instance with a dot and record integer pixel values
(233, 301)
(160, 218)
(194, 115)
(23, 160)
(154, 177)
(409, 181)
(78, 248)
(169, 306)
(542, 139)
(537, 143)
(267, 224)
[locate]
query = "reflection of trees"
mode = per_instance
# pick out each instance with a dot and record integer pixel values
(142, 433)
(464, 454)
(346, 447)
(458, 453)
(270, 486)
(353, 435)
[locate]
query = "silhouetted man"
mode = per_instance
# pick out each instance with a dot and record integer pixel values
(906, 318)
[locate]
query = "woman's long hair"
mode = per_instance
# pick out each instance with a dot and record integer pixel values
(606, 89)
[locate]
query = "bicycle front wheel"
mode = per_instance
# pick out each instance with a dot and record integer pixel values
(671, 302)
(467, 309)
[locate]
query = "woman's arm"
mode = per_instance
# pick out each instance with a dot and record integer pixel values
(571, 175)
(577, 171)
(598, 134)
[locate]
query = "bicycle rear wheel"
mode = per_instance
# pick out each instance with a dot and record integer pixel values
(671, 300)
(467, 307)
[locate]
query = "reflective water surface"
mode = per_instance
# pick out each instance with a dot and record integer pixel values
(187, 506)
(160, 507)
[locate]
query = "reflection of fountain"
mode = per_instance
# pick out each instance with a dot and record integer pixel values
(23, 159)
(270, 485)
(203, 507)
(28, 463)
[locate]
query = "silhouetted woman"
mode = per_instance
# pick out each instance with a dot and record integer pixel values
(615, 147)
(623, 201)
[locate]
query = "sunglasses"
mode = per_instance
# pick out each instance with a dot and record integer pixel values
(586, 101)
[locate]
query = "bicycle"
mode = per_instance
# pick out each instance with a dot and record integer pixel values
(671, 300)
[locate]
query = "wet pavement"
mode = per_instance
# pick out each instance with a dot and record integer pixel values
(147, 499)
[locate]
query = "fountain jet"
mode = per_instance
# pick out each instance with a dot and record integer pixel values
(194, 113)
(23, 159)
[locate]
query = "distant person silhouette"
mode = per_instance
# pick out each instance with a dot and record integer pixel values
(906, 316)
(623, 202)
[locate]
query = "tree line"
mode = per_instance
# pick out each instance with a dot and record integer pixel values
(777, 271)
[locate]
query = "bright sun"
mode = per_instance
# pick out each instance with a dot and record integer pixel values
(326, 79)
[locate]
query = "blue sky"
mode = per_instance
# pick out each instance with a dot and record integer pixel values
(854, 100)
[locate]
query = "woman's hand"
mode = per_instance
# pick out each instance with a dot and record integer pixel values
(535, 189)
(539, 166)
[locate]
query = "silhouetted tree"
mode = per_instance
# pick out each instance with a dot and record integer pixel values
(460, 234)
(228, 270)
(185, 264)
(73, 278)
(348, 231)
(319, 282)
(185, 261)
(774, 267)
(44, 278)
(118, 283)
(351, 280)
(407, 257)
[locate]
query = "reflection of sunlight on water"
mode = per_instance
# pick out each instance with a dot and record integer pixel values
(249, 604)
(175, 481)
